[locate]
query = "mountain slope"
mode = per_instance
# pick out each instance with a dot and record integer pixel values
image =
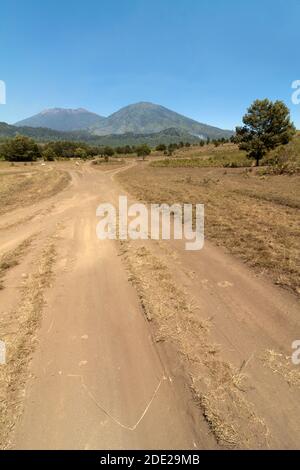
(62, 119)
(146, 118)
(42, 134)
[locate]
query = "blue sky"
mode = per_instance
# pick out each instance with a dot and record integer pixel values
(207, 59)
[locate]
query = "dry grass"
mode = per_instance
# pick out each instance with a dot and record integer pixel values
(255, 217)
(208, 156)
(11, 259)
(229, 155)
(218, 387)
(281, 365)
(18, 331)
(21, 188)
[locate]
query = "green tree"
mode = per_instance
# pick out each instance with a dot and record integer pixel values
(143, 151)
(20, 149)
(48, 154)
(171, 148)
(107, 152)
(120, 150)
(80, 153)
(161, 147)
(266, 126)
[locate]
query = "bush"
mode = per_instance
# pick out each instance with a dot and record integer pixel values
(20, 149)
(48, 154)
(161, 147)
(143, 150)
(283, 161)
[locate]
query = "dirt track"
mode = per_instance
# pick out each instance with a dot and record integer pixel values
(97, 380)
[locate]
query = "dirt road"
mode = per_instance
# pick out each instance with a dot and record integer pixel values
(97, 378)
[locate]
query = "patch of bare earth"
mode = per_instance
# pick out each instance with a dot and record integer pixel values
(217, 385)
(22, 188)
(101, 164)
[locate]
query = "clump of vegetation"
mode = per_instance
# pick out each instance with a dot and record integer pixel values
(80, 153)
(66, 149)
(283, 162)
(49, 155)
(161, 148)
(20, 149)
(143, 151)
(126, 150)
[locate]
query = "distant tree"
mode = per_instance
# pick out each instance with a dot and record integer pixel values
(80, 153)
(92, 151)
(128, 149)
(266, 126)
(48, 154)
(20, 149)
(161, 147)
(107, 152)
(201, 143)
(187, 144)
(143, 151)
(171, 148)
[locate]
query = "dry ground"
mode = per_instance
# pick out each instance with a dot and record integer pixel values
(254, 217)
(22, 185)
(111, 164)
(82, 370)
(142, 344)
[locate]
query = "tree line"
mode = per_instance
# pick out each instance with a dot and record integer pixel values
(25, 149)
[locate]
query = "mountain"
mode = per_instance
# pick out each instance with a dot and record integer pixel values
(138, 118)
(62, 119)
(146, 118)
(42, 134)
